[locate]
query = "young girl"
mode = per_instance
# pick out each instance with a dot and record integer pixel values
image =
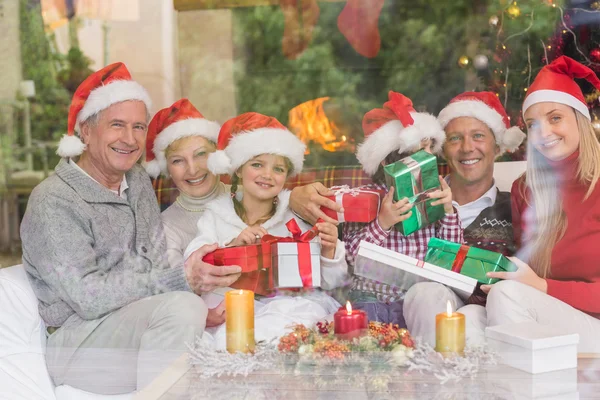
(392, 133)
(260, 153)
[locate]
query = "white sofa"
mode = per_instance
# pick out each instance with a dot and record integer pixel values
(23, 373)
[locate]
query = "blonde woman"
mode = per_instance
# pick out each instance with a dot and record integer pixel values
(178, 144)
(559, 284)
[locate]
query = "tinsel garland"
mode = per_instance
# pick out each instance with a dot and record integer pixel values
(377, 368)
(426, 359)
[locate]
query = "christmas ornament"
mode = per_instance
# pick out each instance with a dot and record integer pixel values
(299, 25)
(358, 22)
(513, 10)
(595, 54)
(480, 62)
(463, 61)
(595, 5)
(494, 21)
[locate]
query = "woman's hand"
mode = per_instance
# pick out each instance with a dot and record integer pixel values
(329, 236)
(444, 197)
(523, 274)
(391, 213)
(250, 235)
(306, 201)
(216, 316)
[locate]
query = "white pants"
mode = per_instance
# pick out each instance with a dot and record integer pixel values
(128, 348)
(508, 302)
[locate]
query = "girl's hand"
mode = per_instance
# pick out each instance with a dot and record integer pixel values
(523, 274)
(250, 235)
(391, 213)
(329, 236)
(444, 196)
(216, 316)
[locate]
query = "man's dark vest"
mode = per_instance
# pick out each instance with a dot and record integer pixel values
(492, 229)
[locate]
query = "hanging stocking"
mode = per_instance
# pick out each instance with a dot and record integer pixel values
(358, 22)
(301, 16)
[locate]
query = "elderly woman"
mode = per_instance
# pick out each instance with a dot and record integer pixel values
(179, 141)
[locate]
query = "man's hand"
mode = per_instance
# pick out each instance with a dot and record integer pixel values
(306, 201)
(203, 277)
(216, 316)
(444, 196)
(250, 235)
(391, 213)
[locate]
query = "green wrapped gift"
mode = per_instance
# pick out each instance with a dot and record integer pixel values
(415, 177)
(466, 260)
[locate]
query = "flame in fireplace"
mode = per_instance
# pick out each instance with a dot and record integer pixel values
(309, 122)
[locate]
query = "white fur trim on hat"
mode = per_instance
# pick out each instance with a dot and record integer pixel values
(247, 145)
(393, 136)
(555, 96)
(512, 139)
(115, 92)
(474, 109)
(507, 139)
(70, 146)
(180, 129)
(152, 168)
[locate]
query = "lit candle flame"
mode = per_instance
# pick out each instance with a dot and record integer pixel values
(449, 308)
(348, 308)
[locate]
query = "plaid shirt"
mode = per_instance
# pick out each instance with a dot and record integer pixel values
(414, 245)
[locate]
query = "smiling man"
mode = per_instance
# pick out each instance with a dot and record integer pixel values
(477, 132)
(95, 253)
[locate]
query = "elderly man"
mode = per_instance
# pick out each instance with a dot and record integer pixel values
(477, 132)
(94, 249)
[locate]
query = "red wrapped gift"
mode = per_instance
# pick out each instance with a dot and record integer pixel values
(296, 260)
(360, 205)
(255, 261)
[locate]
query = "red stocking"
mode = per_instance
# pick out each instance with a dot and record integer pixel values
(358, 22)
(301, 16)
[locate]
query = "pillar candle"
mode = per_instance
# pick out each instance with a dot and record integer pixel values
(450, 332)
(350, 323)
(239, 320)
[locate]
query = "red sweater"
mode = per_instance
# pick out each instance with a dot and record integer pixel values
(575, 262)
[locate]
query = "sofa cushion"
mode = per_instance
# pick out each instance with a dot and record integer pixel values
(21, 327)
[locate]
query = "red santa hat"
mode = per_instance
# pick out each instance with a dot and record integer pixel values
(396, 127)
(555, 84)
(110, 85)
(248, 135)
(486, 107)
(180, 120)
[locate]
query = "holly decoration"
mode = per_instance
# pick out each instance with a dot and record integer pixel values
(322, 342)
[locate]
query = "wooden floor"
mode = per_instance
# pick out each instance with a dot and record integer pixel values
(495, 382)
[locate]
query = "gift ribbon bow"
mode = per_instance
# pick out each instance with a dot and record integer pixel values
(304, 258)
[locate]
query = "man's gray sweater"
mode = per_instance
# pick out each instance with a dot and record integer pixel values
(90, 252)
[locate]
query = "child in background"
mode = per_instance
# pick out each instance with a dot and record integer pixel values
(392, 133)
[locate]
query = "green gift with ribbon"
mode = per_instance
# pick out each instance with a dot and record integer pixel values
(467, 260)
(415, 177)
